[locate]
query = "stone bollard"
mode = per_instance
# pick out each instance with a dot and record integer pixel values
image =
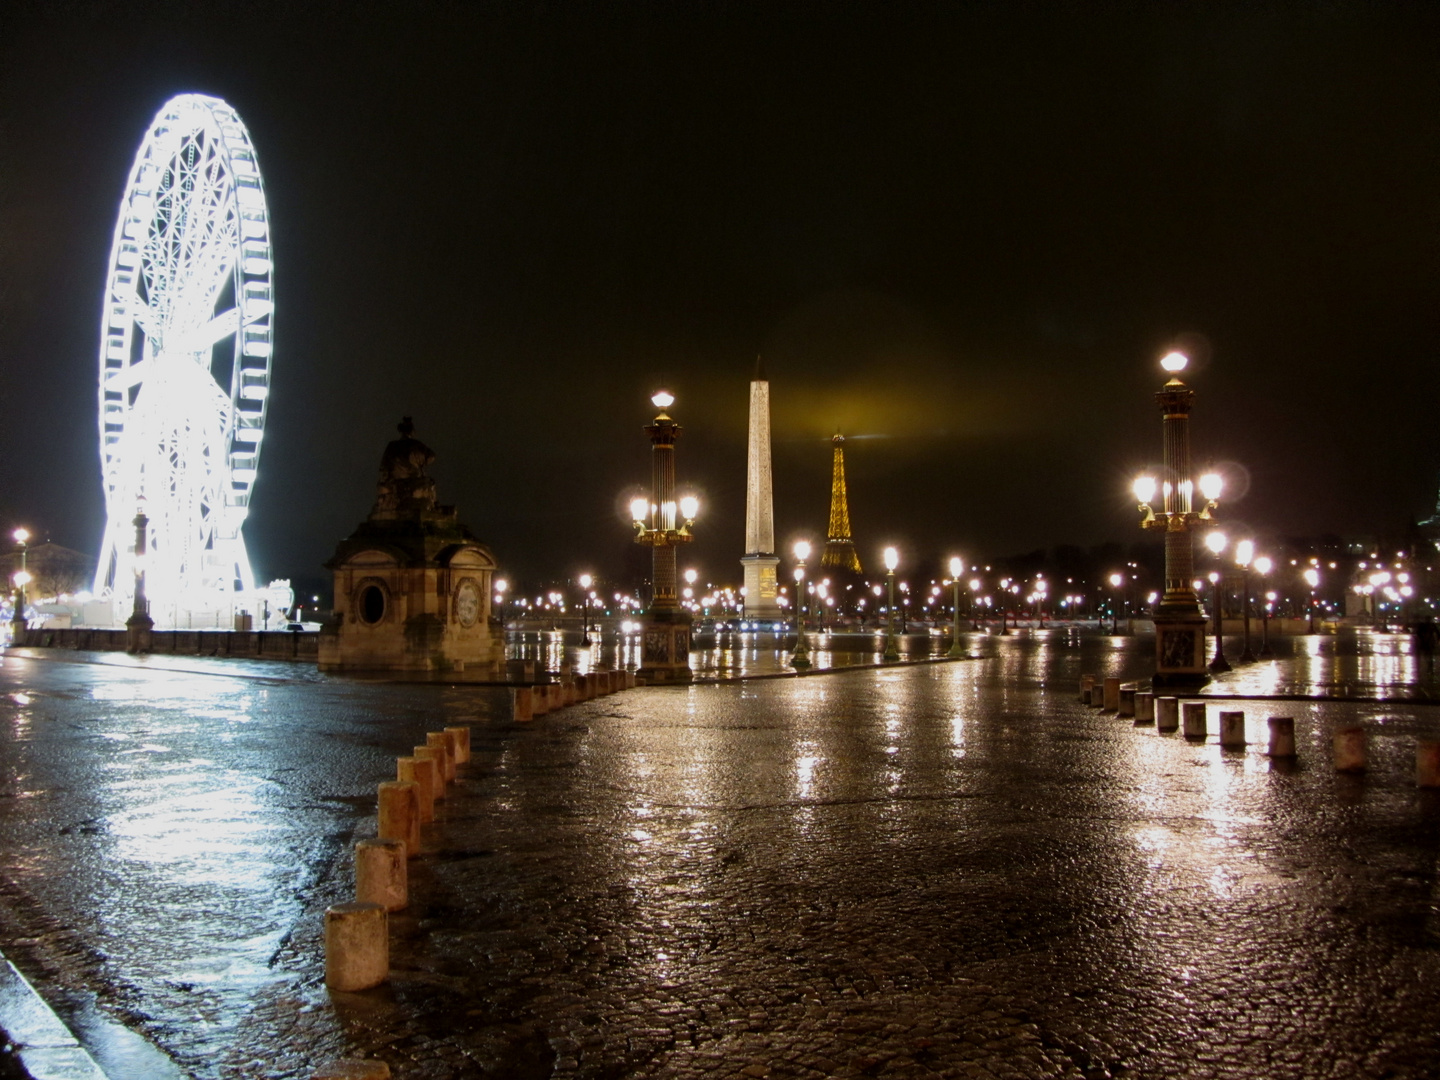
(1144, 706)
(380, 876)
(444, 759)
(1350, 749)
(421, 773)
(1127, 701)
(352, 1069)
(1282, 736)
(1087, 682)
(357, 946)
(462, 743)
(1112, 694)
(400, 814)
(602, 683)
(437, 764)
(1192, 719)
(1232, 730)
(632, 680)
(1427, 763)
(569, 693)
(1167, 713)
(520, 703)
(452, 749)
(539, 699)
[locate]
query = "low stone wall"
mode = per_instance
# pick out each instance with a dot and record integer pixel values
(246, 644)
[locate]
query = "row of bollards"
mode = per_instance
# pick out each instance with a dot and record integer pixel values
(528, 702)
(357, 935)
(1349, 745)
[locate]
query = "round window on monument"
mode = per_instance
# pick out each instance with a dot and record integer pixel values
(372, 604)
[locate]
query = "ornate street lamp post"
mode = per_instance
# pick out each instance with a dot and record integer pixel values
(1216, 543)
(1262, 567)
(1179, 622)
(1244, 553)
(892, 645)
(957, 567)
(662, 523)
(1312, 578)
(140, 624)
(585, 582)
(21, 579)
(800, 659)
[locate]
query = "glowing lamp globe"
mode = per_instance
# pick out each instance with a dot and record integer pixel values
(1263, 564)
(689, 507)
(1144, 488)
(21, 535)
(639, 509)
(892, 559)
(1211, 485)
(1115, 580)
(662, 399)
(1312, 577)
(957, 567)
(1174, 362)
(802, 549)
(585, 581)
(1244, 552)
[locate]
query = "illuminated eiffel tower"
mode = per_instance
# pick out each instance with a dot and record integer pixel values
(839, 547)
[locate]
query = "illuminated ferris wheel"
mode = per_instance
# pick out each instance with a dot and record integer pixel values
(185, 348)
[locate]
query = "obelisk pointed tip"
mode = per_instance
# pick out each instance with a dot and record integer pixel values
(759, 369)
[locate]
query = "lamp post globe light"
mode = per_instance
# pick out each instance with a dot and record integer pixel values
(892, 645)
(1179, 622)
(800, 659)
(957, 567)
(662, 523)
(1216, 542)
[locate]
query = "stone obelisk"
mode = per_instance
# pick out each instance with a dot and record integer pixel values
(760, 561)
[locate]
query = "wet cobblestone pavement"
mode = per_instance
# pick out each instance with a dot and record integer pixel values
(942, 870)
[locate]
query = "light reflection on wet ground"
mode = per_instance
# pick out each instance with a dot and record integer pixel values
(956, 864)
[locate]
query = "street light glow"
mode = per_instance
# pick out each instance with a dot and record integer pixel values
(1174, 362)
(1144, 489)
(21, 535)
(585, 581)
(957, 567)
(689, 507)
(1244, 552)
(1216, 542)
(892, 558)
(1312, 577)
(662, 399)
(639, 509)
(802, 550)
(1263, 565)
(1211, 484)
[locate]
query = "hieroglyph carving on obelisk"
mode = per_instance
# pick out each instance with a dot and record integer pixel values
(760, 561)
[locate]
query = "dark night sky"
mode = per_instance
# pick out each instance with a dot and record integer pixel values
(969, 229)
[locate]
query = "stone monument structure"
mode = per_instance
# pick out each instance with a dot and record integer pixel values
(412, 584)
(760, 561)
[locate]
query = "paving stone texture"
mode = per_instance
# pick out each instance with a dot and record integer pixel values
(942, 870)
